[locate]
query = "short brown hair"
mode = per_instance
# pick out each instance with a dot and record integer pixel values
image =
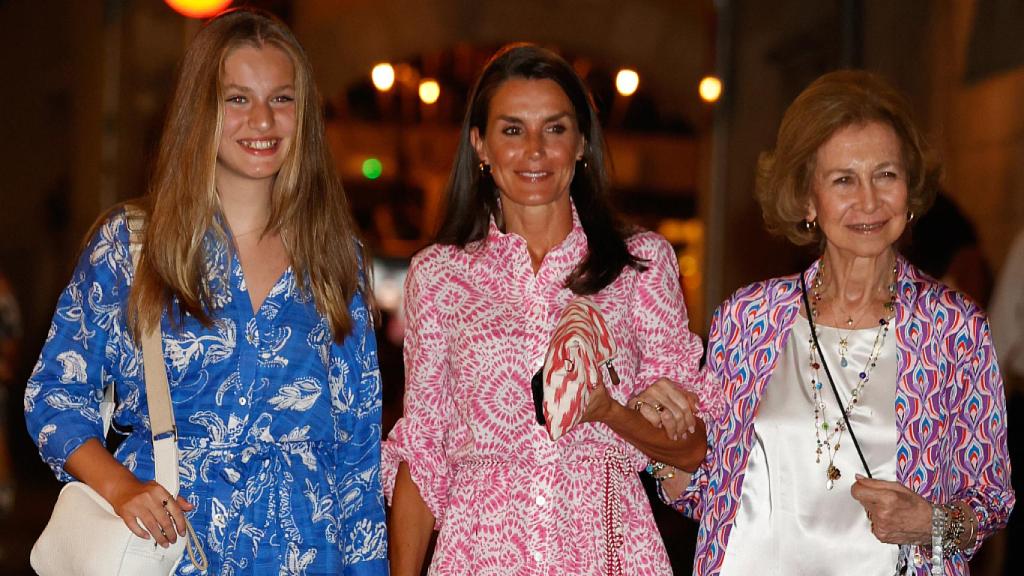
(833, 102)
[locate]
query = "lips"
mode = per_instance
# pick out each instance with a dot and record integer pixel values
(260, 146)
(533, 175)
(867, 227)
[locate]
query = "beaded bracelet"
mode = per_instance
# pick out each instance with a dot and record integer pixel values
(655, 468)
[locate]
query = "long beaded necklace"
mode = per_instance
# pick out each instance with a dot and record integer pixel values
(844, 338)
(828, 436)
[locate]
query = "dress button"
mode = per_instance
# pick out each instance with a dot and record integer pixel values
(541, 500)
(242, 401)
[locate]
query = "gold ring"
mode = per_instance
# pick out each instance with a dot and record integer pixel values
(638, 404)
(164, 503)
(658, 407)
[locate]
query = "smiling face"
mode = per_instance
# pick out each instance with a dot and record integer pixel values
(531, 142)
(259, 114)
(859, 190)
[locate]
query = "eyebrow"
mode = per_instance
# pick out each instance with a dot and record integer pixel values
(241, 88)
(551, 118)
(886, 164)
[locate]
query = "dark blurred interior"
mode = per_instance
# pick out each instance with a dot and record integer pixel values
(88, 81)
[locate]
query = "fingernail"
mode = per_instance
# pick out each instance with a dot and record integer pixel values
(692, 429)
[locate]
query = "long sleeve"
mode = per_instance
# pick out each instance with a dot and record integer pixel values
(713, 377)
(362, 518)
(62, 397)
(980, 462)
(419, 437)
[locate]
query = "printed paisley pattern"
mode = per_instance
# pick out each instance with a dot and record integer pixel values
(950, 407)
(279, 428)
(508, 500)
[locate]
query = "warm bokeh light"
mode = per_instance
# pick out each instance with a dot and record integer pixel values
(372, 168)
(383, 76)
(627, 81)
(198, 8)
(430, 91)
(710, 89)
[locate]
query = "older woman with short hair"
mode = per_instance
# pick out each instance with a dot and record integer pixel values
(866, 428)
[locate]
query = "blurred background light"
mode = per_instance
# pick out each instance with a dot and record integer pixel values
(198, 8)
(372, 168)
(627, 81)
(430, 91)
(383, 76)
(710, 89)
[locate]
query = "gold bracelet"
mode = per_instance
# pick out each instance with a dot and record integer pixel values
(954, 530)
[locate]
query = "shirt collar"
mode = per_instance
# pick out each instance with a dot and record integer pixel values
(511, 247)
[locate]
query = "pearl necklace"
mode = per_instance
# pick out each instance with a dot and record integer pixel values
(828, 436)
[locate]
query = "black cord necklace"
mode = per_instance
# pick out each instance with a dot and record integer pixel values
(833, 472)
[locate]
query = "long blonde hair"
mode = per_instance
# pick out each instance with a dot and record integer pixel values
(308, 205)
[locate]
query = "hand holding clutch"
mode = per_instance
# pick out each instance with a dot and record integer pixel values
(581, 344)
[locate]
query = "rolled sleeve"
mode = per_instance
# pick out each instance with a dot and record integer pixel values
(667, 346)
(418, 439)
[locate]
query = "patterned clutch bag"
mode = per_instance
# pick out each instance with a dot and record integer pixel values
(581, 344)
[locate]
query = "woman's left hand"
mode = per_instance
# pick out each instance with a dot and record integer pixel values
(897, 514)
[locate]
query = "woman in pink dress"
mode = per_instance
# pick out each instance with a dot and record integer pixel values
(527, 227)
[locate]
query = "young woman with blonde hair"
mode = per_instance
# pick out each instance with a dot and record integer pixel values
(250, 264)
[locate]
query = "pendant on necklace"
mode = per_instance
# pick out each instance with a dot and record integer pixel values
(833, 474)
(844, 347)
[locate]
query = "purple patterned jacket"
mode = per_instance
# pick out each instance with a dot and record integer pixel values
(950, 407)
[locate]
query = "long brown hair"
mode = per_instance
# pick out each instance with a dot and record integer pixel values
(308, 205)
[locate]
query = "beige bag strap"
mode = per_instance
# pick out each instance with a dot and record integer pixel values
(158, 393)
(158, 401)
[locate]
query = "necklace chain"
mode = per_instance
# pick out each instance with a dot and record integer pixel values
(829, 436)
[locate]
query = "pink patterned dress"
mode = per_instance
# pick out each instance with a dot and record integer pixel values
(509, 501)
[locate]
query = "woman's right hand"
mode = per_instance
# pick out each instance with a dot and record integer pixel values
(665, 404)
(148, 509)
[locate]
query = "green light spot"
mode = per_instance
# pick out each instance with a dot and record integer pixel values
(372, 168)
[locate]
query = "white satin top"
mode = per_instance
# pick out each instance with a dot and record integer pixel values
(788, 522)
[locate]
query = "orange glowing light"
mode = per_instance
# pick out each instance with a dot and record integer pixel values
(198, 8)
(430, 90)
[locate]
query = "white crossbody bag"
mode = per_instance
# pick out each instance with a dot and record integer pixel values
(84, 536)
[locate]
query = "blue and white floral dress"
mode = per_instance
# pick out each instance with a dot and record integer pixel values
(278, 426)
